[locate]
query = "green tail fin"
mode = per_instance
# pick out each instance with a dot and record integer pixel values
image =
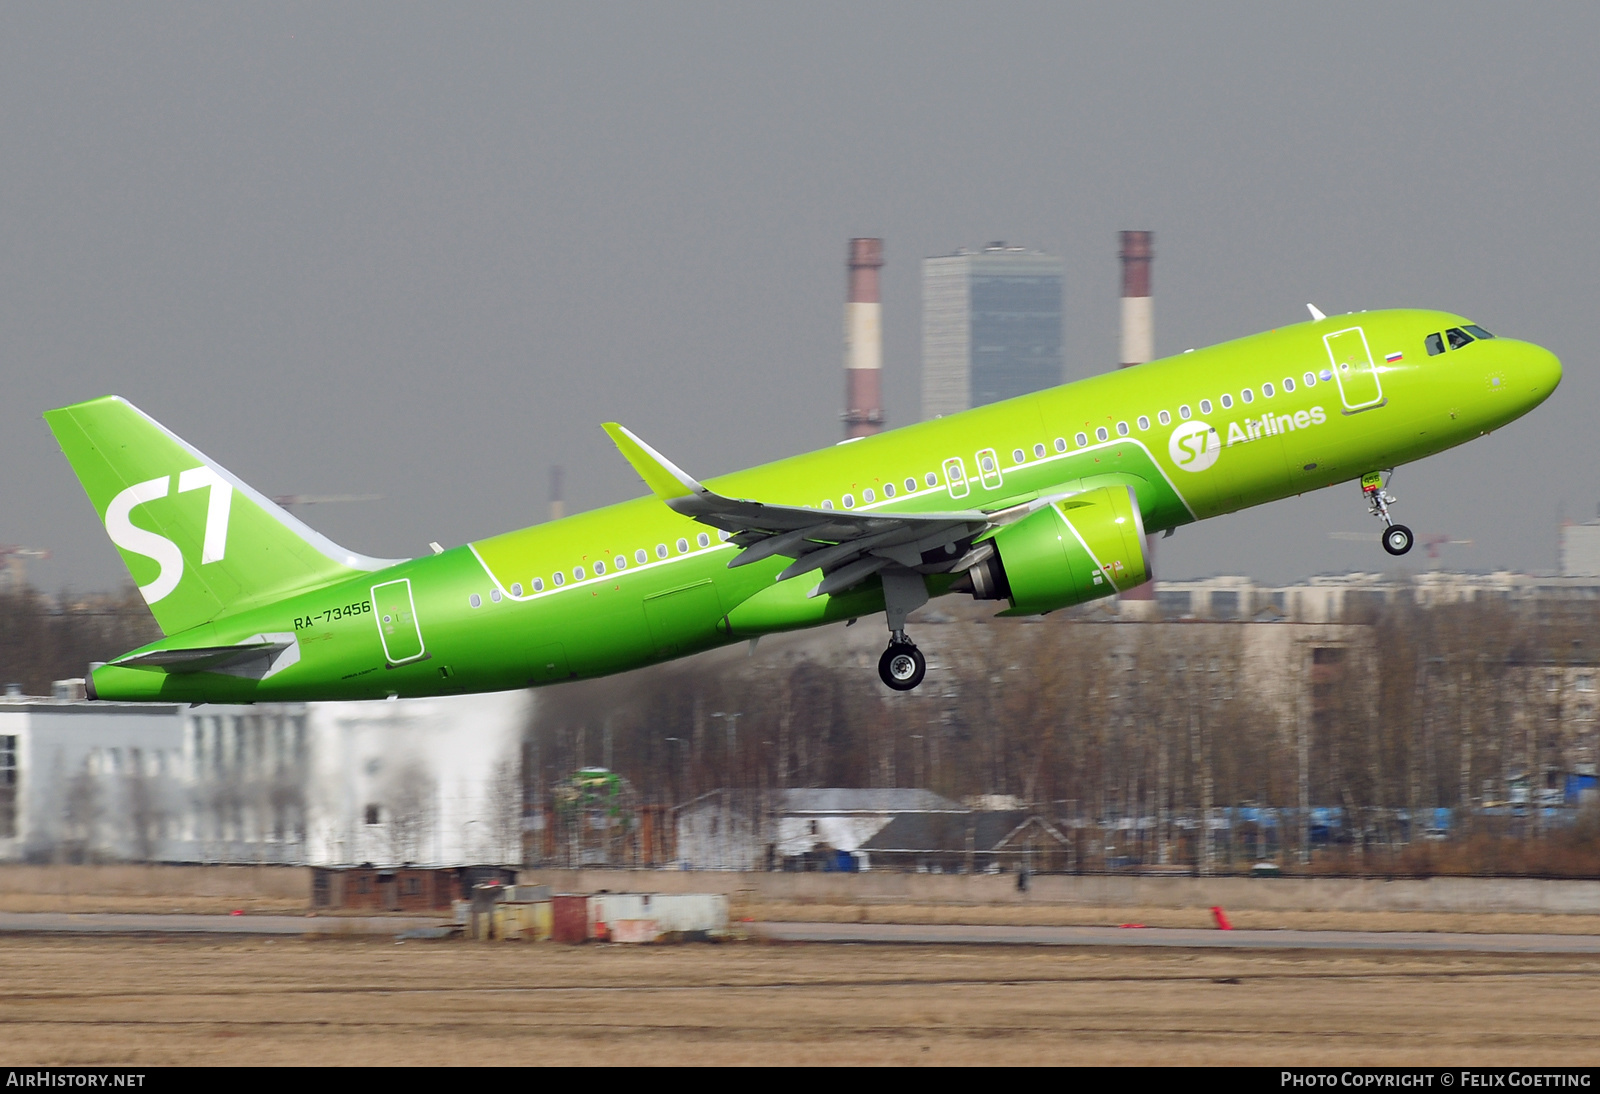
(198, 542)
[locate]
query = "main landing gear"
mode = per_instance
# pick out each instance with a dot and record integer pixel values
(1397, 538)
(902, 665)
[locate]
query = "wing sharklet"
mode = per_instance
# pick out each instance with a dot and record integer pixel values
(666, 480)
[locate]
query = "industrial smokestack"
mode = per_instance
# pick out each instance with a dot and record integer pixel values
(863, 341)
(1138, 333)
(558, 508)
(1138, 346)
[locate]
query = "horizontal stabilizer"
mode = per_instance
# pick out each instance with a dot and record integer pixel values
(257, 657)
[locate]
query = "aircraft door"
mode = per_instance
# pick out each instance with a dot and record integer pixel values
(396, 614)
(956, 476)
(989, 468)
(1353, 369)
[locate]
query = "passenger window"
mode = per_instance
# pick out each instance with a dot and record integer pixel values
(1038, 451)
(577, 573)
(703, 540)
(911, 485)
(494, 595)
(622, 562)
(1164, 418)
(1457, 337)
(1435, 344)
(1122, 429)
(516, 588)
(849, 501)
(827, 503)
(888, 489)
(1248, 395)
(1101, 434)
(599, 567)
(640, 556)
(475, 600)
(1266, 389)
(683, 546)
(1017, 456)
(988, 464)
(560, 578)
(1183, 412)
(538, 584)
(1288, 383)
(1205, 406)
(1310, 378)
(1082, 439)
(932, 478)
(868, 495)
(1227, 402)
(1144, 422)
(1061, 444)
(1477, 331)
(661, 550)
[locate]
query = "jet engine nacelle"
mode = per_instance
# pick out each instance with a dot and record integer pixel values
(1088, 546)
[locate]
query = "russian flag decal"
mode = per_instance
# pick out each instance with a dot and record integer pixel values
(1393, 357)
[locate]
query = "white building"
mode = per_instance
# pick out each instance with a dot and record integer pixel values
(429, 781)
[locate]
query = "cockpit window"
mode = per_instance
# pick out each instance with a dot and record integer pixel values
(1458, 337)
(1476, 331)
(1435, 344)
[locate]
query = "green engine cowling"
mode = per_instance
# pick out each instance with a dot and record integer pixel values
(1086, 547)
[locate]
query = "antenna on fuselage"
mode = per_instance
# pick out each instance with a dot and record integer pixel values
(1316, 312)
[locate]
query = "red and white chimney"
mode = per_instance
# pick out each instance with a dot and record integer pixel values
(1138, 330)
(863, 341)
(1138, 346)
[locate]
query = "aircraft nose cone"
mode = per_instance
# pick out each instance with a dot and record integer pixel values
(1544, 369)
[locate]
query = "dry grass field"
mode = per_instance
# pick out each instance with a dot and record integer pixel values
(251, 1001)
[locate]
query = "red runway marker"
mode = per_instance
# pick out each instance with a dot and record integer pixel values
(1222, 918)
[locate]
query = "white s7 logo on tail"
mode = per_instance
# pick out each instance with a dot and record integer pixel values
(126, 535)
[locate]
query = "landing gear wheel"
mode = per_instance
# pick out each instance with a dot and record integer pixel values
(1397, 539)
(902, 666)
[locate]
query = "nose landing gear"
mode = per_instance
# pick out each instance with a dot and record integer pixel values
(1397, 538)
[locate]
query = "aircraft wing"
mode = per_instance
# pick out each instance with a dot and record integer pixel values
(848, 547)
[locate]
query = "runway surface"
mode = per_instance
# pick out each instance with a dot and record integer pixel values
(123, 923)
(939, 934)
(955, 934)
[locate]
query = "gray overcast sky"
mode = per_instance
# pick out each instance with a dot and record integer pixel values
(423, 250)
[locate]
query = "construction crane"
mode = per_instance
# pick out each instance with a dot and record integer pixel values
(293, 501)
(1431, 541)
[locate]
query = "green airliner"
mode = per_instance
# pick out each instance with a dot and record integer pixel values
(1039, 502)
